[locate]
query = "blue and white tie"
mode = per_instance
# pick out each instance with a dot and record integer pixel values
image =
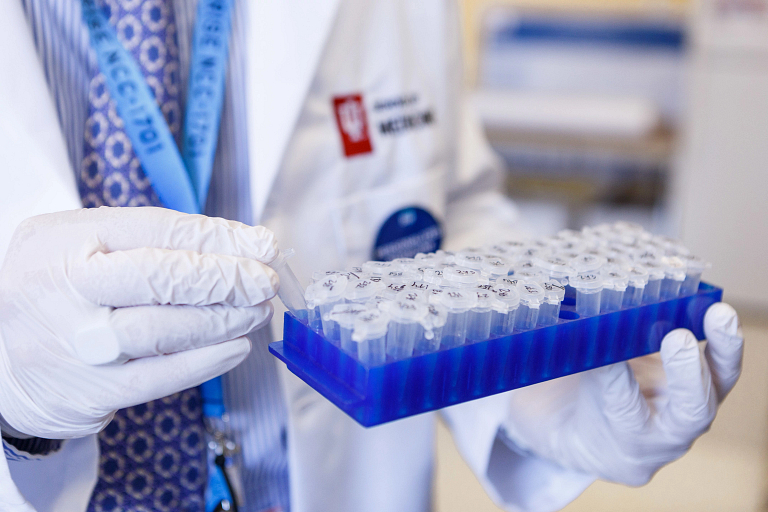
(153, 456)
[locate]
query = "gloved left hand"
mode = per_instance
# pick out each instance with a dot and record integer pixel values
(625, 421)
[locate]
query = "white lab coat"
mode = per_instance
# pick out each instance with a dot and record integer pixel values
(327, 207)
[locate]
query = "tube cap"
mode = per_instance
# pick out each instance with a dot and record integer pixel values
(433, 276)
(361, 290)
(458, 300)
(469, 259)
(587, 282)
(407, 311)
(406, 264)
(675, 268)
(531, 293)
(345, 314)
(507, 299)
(637, 277)
(532, 274)
(431, 259)
(494, 266)
(506, 282)
(460, 276)
(437, 315)
(435, 295)
(379, 268)
(586, 263)
(412, 295)
(695, 264)
(554, 266)
(654, 268)
(615, 278)
(554, 292)
(329, 289)
(370, 325)
(485, 298)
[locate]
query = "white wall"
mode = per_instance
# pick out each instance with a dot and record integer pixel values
(722, 190)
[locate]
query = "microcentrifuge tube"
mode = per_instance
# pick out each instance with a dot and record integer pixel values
(344, 315)
(329, 292)
(531, 295)
(695, 266)
(674, 275)
(405, 327)
(655, 271)
(457, 302)
(549, 311)
(370, 334)
(637, 281)
(505, 310)
(588, 290)
(615, 282)
(479, 317)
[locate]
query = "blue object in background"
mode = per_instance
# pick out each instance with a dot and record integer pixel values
(399, 389)
(406, 233)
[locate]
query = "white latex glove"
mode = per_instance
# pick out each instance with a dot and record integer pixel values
(623, 426)
(172, 294)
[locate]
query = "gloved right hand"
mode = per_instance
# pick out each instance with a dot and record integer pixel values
(172, 294)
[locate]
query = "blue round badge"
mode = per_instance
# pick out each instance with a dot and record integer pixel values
(406, 233)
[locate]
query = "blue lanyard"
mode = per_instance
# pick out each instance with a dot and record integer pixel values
(180, 183)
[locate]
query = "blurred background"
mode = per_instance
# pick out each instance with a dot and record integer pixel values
(653, 111)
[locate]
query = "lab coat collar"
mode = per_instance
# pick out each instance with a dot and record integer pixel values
(286, 41)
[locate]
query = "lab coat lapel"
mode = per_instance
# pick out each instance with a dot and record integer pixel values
(37, 176)
(286, 40)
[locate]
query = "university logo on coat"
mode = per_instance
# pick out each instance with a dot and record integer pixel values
(353, 124)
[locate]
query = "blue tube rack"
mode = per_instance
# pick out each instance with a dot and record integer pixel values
(398, 389)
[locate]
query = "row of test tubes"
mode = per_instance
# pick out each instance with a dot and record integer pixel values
(393, 310)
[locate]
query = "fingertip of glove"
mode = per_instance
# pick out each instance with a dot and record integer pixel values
(677, 344)
(721, 318)
(239, 349)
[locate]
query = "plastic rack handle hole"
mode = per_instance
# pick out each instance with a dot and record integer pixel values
(568, 315)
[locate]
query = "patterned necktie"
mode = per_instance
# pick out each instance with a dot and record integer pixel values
(153, 456)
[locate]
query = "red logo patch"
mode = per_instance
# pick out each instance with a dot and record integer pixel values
(353, 124)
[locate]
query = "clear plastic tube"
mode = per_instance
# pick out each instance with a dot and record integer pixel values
(549, 313)
(674, 275)
(402, 337)
(655, 271)
(405, 326)
(611, 300)
(633, 296)
(695, 267)
(457, 302)
(455, 329)
(290, 292)
(637, 280)
(615, 282)
(343, 317)
(554, 293)
(433, 329)
(527, 317)
(479, 319)
(327, 293)
(503, 322)
(588, 294)
(691, 283)
(505, 310)
(370, 334)
(652, 291)
(670, 288)
(531, 296)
